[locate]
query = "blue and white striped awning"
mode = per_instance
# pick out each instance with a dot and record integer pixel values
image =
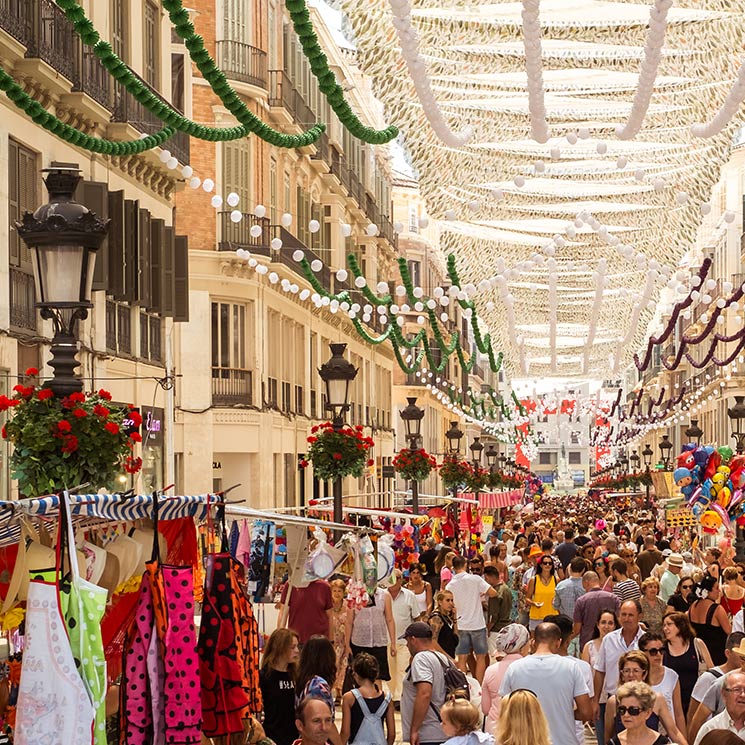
(91, 509)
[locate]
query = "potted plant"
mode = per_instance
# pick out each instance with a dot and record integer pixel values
(414, 465)
(61, 442)
(454, 472)
(335, 454)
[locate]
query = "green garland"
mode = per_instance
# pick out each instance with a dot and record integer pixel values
(327, 81)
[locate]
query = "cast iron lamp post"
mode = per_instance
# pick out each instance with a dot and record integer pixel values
(412, 416)
(491, 457)
(337, 373)
(476, 448)
(64, 237)
(665, 447)
(647, 454)
(694, 433)
(454, 435)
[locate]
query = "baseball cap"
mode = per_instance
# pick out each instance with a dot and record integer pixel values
(417, 630)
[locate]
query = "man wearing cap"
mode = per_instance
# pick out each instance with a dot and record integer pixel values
(732, 719)
(671, 576)
(423, 689)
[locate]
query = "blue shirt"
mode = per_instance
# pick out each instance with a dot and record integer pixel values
(567, 592)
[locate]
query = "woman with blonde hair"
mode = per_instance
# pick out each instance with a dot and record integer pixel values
(522, 721)
(653, 606)
(444, 565)
(443, 622)
(340, 616)
(635, 704)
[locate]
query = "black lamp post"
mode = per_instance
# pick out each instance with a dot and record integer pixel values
(694, 433)
(491, 457)
(624, 464)
(736, 415)
(665, 447)
(647, 454)
(412, 416)
(454, 435)
(64, 237)
(476, 449)
(337, 373)
(634, 460)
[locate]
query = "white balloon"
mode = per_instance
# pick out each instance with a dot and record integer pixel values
(172, 163)
(237, 216)
(255, 230)
(314, 226)
(195, 182)
(233, 199)
(372, 229)
(216, 201)
(423, 222)
(276, 244)
(398, 226)
(260, 210)
(346, 229)
(187, 171)
(705, 208)
(316, 265)
(729, 216)
(342, 275)
(164, 155)
(360, 282)
(298, 255)
(208, 185)
(286, 219)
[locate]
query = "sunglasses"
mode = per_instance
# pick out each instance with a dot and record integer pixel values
(654, 651)
(599, 564)
(689, 587)
(633, 711)
(547, 563)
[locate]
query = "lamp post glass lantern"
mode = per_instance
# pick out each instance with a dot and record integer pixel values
(63, 237)
(476, 449)
(647, 454)
(412, 416)
(665, 447)
(634, 460)
(491, 457)
(454, 435)
(694, 433)
(337, 373)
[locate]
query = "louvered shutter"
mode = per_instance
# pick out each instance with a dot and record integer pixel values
(29, 173)
(131, 249)
(157, 239)
(116, 243)
(14, 203)
(95, 198)
(181, 279)
(168, 258)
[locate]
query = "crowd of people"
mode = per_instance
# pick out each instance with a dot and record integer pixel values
(554, 631)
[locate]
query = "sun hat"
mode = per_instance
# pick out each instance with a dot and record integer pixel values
(535, 551)
(512, 638)
(675, 560)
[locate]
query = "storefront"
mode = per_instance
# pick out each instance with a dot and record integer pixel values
(153, 419)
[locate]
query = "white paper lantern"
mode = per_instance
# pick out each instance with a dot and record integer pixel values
(372, 229)
(314, 226)
(187, 171)
(233, 199)
(237, 216)
(164, 155)
(316, 265)
(216, 201)
(298, 255)
(276, 244)
(208, 185)
(360, 282)
(286, 219)
(260, 210)
(195, 182)
(172, 163)
(342, 275)
(346, 229)
(255, 230)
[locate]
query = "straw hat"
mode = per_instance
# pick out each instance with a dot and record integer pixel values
(129, 553)
(675, 560)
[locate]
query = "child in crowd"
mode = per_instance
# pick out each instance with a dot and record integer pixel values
(365, 707)
(460, 723)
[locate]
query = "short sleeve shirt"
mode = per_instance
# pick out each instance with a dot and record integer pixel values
(467, 590)
(308, 606)
(425, 668)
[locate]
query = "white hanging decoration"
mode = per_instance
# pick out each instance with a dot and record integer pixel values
(233, 199)
(409, 43)
(254, 231)
(298, 255)
(194, 182)
(236, 216)
(187, 171)
(342, 275)
(260, 211)
(534, 70)
(316, 265)
(164, 155)
(314, 226)
(216, 201)
(276, 244)
(729, 108)
(648, 73)
(372, 229)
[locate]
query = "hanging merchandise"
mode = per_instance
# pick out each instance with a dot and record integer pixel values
(369, 566)
(243, 550)
(53, 706)
(323, 561)
(386, 557)
(262, 548)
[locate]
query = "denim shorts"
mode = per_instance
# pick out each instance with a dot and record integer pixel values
(472, 641)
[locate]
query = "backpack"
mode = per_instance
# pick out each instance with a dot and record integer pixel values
(371, 730)
(456, 684)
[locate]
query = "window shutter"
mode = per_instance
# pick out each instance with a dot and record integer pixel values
(29, 175)
(95, 198)
(14, 203)
(167, 260)
(131, 249)
(157, 239)
(115, 246)
(181, 279)
(144, 288)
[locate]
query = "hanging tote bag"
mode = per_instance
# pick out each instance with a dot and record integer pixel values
(53, 707)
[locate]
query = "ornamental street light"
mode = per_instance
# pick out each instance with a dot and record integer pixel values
(647, 454)
(634, 460)
(64, 237)
(454, 435)
(476, 449)
(665, 447)
(694, 433)
(491, 457)
(337, 373)
(412, 416)
(736, 415)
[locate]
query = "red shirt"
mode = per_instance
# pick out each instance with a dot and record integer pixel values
(308, 606)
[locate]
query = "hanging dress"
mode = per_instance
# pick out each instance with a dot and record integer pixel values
(53, 707)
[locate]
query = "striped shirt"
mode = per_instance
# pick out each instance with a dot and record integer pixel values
(628, 589)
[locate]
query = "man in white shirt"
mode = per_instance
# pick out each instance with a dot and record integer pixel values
(405, 611)
(614, 645)
(468, 590)
(671, 576)
(556, 681)
(732, 718)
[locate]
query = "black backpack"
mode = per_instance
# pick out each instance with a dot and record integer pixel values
(456, 683)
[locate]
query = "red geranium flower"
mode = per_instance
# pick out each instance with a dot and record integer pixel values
(112, 427)
(371, 462)
(104, 394)
(135, 418)
(336, 456)
(26, 391)
(70, 445)
(44, 394)
(31, 372)
(79, 413)
(135, 436)
(64, 426)
(101, 411)
(4, 433)
(311, 440)
(77, 397)
(303, 463)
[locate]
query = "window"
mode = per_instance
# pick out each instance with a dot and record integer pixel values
(273, 192)
(574, 438)
(236, 26)
(236, 170)
(119, 328)
(413, 218)
(575, 458)
(151, 44)
(150, 337)
(415, 270)
(178, 81)
(545, 459)
(231, 380)
(119, 14)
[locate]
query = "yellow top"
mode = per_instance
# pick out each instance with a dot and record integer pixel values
(543, 594)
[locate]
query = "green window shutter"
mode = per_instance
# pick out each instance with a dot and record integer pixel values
(14, 203)
(143, 259)
(157, 238)
(96, 198)
(168, 260)
(181, 279)
(115, 246)
(131, 249)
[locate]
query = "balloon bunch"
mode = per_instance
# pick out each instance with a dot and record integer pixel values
(712, 481)
(536, 487)
(406, 546)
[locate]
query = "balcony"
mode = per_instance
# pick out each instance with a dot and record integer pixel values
(242, 62)
(235, 235)
(290, 244)
(22, 300)
(232, 387)
(282, 93)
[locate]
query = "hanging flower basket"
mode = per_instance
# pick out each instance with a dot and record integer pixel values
(338, 454)
(477, 479)
(454, 472)
(63, 442)
(414, 465)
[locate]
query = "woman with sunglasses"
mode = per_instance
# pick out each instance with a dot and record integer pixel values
(635, 704)
(632, 570)
(634, 667)
(601, 565)
(661, 678)
(541, 591)
(588, 554)
(733, 593)
(606, 623)
(682, 598)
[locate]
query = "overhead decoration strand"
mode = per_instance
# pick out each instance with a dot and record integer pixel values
(534, 70)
